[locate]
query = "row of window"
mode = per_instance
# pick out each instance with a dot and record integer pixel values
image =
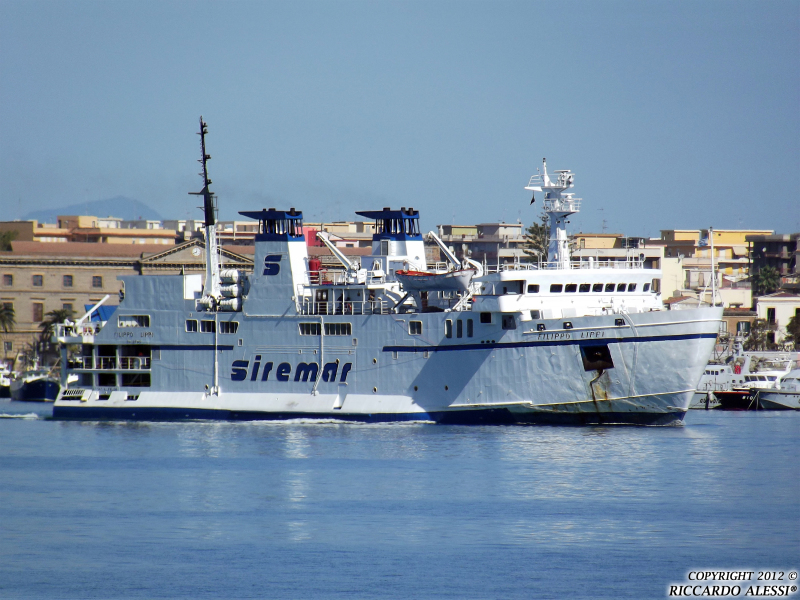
(557, 288)
(206, 326)
(67, 281)
(330, 329)
(448, 327)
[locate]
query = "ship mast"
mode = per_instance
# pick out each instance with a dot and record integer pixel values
(211, 294)
(558, 205)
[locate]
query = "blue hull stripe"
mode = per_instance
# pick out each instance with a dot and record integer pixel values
(580, 342)
(497, 416)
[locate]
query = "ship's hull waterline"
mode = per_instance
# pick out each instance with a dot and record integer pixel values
(382, 374)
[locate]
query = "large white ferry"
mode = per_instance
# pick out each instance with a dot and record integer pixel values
(555, 342)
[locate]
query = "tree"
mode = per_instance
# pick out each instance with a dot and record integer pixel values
(761, 337)
(7, 318)
(767, 280)
(6, 238)
(7, 322)
(49, 351)
(793, 332)
(536, 239)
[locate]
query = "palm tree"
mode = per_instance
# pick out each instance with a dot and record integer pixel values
(767, 280)
(48, 327)
(7, 318)
(7, 322)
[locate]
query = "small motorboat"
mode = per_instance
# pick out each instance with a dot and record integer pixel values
(784, 396)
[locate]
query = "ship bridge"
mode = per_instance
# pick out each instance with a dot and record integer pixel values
(277, 225)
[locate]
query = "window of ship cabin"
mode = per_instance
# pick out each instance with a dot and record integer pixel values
(8, 280)
(448, 328)
(567, 324)
(415, 328)
(107, 380)
(609, 287)
(459, 328)
(556, 288)
(470, 329)
(134, 321)
(621, 287)
(338, 329)
(486, 317)
(571, 287)
(37, 281)
(228, 326)
(646, 287)
(309, 328)
(597, 287)
(208, 326)
(585, 287)
(191, 325)
(97, 281)
(771, 377)
(631, 287)
(136, 379)
(655, 286)
(540, 327)
(536, 314)
(66, 280)
(509, 322)
(513, 287)
(384, 247)
(533, 288)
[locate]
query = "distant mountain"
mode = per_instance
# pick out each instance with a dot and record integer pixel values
(127, 209)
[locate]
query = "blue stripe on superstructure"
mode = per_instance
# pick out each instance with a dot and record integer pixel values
(494, 416)
(580, 342)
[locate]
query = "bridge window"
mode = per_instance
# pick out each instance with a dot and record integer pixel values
(621, 287)
(556, 288)
(338, 329)
(309, 328)
(228, 326)
(533, 288)
(571, 287)
(415, 327)
(191, 325)
(646, 287)
(597, 287)
(609, 287)
(631, 287)
(585, 287)
(208, 326)
(134, 321)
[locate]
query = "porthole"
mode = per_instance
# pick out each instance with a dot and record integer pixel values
(374, 390)
(374, 361)
(446, 388)
(415, 388)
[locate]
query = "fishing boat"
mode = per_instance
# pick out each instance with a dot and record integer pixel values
(35, 385)
(564, 341)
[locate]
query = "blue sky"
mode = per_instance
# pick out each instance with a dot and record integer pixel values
(671, 114)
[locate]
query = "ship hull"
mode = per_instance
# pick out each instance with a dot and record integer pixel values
(37, 390)
(522, 376)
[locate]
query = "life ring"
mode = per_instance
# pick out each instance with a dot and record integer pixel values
(348, 308)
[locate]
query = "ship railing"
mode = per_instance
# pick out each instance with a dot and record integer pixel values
(563, 204)
(344, 307)
(109, 363)
(575, 264)
(134, 363)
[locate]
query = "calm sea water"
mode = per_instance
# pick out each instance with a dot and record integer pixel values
(325, 510)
